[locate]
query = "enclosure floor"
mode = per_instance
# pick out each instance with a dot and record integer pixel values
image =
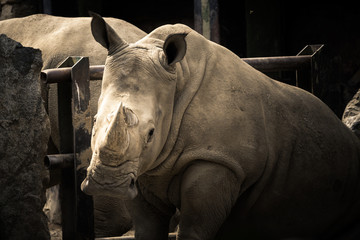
(56, 234)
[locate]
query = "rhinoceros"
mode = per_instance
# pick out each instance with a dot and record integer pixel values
(183, 123)
(58, 38)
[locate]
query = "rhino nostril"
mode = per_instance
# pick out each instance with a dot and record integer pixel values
(132, 183)
(132, 190)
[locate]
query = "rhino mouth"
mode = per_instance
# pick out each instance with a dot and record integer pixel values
(100, 183)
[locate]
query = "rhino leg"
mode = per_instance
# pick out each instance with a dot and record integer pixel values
(111, 217)
(208, 193)
(150, 222)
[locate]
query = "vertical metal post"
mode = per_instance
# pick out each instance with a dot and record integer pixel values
(206, 19)
(309, 79)
(80, 75)
(75, 134)
(47, 7)
(67, 189)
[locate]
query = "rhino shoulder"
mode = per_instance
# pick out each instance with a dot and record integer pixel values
(164, 31)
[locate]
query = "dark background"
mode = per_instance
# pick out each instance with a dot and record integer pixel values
(252, 28)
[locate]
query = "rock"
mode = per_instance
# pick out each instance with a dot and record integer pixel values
(24, 134)
(351, 115)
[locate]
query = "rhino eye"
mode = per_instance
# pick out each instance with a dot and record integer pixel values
(150, 135)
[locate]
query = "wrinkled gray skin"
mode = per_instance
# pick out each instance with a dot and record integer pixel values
(184, 123)
(58, 38)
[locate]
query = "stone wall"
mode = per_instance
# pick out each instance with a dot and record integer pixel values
(24, 134)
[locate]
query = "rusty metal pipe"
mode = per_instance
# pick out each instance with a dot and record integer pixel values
(96, 72)
(58, 75)
(172, 236)
(265, 64)
(59, 161)
(268, 64)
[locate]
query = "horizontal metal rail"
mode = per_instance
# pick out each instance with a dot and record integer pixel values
(290, 63)
(172, 236)
(264, 64)
(59, 161)
(58, 75)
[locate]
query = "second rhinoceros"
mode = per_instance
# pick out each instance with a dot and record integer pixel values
(184, 123)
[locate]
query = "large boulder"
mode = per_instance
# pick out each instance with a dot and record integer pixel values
(24, 133)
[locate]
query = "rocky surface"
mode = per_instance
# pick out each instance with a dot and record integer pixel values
(351, 116)
(24, 133)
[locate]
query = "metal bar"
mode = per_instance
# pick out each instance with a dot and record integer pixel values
(265, 64)
(67, 184)
(59, 75)
(80, 75)
(310, 79)
(268, 64)
(56, 163)
(59, 161)
(55, 178)
(172, 236)
(75, 127)
(56, 75)
(310, 49)
(96, 72)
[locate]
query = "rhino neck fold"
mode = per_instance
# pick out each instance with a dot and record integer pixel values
(189, 81)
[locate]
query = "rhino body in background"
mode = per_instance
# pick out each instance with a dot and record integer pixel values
(184, 123)
(59, 38)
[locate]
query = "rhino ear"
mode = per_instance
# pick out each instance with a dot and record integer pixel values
(174, 48)
(104, 34)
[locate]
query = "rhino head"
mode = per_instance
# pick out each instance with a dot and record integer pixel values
(134, 109)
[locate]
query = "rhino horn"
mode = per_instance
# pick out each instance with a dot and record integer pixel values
(116, 140)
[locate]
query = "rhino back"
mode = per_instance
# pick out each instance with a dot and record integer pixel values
(60, 37)
(297, 157)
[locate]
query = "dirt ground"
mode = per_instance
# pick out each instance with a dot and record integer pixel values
(56, 232)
